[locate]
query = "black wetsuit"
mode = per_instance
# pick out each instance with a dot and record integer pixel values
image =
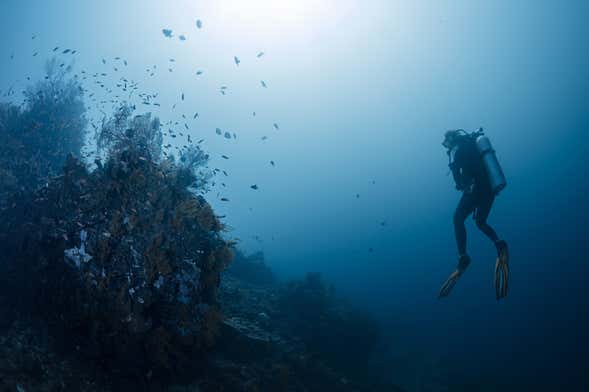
(471, 178)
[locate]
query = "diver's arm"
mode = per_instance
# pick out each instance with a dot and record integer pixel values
(457, 174)
(456, 167)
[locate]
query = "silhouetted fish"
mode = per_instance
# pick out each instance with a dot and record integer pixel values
(167, 33)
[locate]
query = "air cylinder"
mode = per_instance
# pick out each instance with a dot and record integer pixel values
(494, 171)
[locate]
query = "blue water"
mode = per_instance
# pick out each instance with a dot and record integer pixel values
(362, 92)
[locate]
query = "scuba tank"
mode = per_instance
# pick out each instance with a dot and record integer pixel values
(492, 166)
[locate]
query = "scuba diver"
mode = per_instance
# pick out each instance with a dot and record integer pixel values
(479, 177)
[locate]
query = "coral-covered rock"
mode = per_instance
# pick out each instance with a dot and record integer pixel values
(123, 261)
(251, 268)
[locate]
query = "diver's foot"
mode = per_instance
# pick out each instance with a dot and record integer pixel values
(501, 279)
(449, 284)
(501, 246)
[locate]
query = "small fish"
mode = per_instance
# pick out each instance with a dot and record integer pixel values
(357, 195)
(224, 199)
(103, 61)
(254, 187)
(227, 135)
(195, 115)
(276, 126)
(198, 73)
(217, 131)
(36, 53)
(260, 54)
(125, 62)
(34, 36)
(199, 24)
(55, 49)
(263, 84)
(264, 137)
(183, 96)
(167, 33)
(182, 37)
(236, 59)
(224, 157)
(66, 51)
(272, 163)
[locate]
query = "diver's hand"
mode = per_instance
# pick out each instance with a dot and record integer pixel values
(501, 279)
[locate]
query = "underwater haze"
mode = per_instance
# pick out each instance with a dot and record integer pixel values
(331, 116)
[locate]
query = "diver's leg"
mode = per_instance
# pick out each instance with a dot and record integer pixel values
(484, 204)
(463, 210)
(501, 278)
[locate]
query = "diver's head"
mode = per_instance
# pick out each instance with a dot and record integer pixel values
(452, 138)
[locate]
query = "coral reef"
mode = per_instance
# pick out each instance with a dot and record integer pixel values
(251, 268)
(116, 277)
(295, 336)
(124, 261)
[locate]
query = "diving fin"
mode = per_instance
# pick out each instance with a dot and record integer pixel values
(449, 284)
(501, 279)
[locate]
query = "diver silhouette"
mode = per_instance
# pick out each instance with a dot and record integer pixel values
(479, 177)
